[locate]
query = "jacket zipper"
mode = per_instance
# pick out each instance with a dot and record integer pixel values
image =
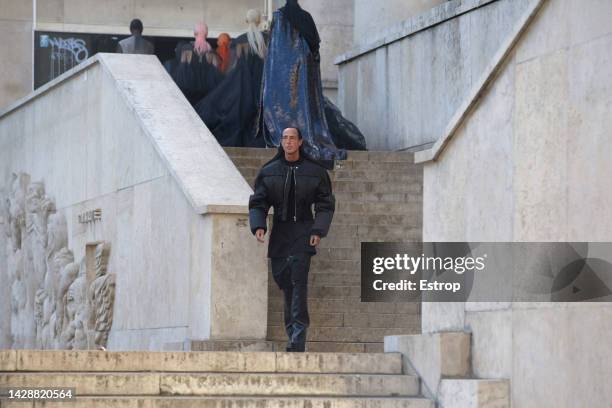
(284, 216)
(294, 195)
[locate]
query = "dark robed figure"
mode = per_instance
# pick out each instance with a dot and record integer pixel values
(292, 91)
(229, 111)
(195, 72)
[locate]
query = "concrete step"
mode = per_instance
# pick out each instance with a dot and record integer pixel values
(19, 361)
(343, 347)
(345, 305)
(362, 233)
(342, 241)
(410, 219)
(365, 320)
(340, 236)
(391, 155)
(376, 208)
(290, 384)
(210, 384)
(353, 155)
(87, 383)
(250, 152)
(387, 165)
(354, 184)
(339, 254)
(404, 198)
(224, 345)
(335, 279)
(248, 162)
(319, 278)
(335, 266)
(379, 197)
(312, 347)
(376, 186)
(316, 347)
(231, 402)
(414, 174)
(316, 319)
(410, 177)
(344, 334)
(334, 292)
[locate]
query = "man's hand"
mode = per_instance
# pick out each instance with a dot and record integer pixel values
(260, 234)
(315, 240)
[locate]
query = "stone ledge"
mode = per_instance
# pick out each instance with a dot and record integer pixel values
(72, 361)
(413, 25)
(234, 402)
(152, 31)
(228, 345)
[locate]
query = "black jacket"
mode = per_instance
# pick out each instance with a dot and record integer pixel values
(292, 227)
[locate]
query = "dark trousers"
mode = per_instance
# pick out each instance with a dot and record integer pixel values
(291, 276)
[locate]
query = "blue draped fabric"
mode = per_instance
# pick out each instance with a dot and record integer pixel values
(292, 93)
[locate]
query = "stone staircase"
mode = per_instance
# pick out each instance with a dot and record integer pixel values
(212, 379)
(378, 198)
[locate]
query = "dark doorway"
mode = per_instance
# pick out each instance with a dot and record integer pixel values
(56, 53)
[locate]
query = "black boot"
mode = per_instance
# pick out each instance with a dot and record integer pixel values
(289, 331)
(298, 338)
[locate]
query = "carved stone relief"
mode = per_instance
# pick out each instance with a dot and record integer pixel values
(53, 303)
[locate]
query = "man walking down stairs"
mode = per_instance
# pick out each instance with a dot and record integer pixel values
(378, 198)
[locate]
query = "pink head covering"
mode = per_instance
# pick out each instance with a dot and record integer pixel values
(200, 33)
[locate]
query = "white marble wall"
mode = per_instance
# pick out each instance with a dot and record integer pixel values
(370, 16)
(156, 15)
(402, 89)
(334, 21)
(531, 164)
(16, 65)
(5, 290)
(118, 135)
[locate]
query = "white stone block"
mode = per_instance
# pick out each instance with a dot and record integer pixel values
(491, 343)
(474, 393)
(433, 356)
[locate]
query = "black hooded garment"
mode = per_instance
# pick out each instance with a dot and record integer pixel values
(344, 132)
(230, 110)
(302, 21)
(196, 75)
